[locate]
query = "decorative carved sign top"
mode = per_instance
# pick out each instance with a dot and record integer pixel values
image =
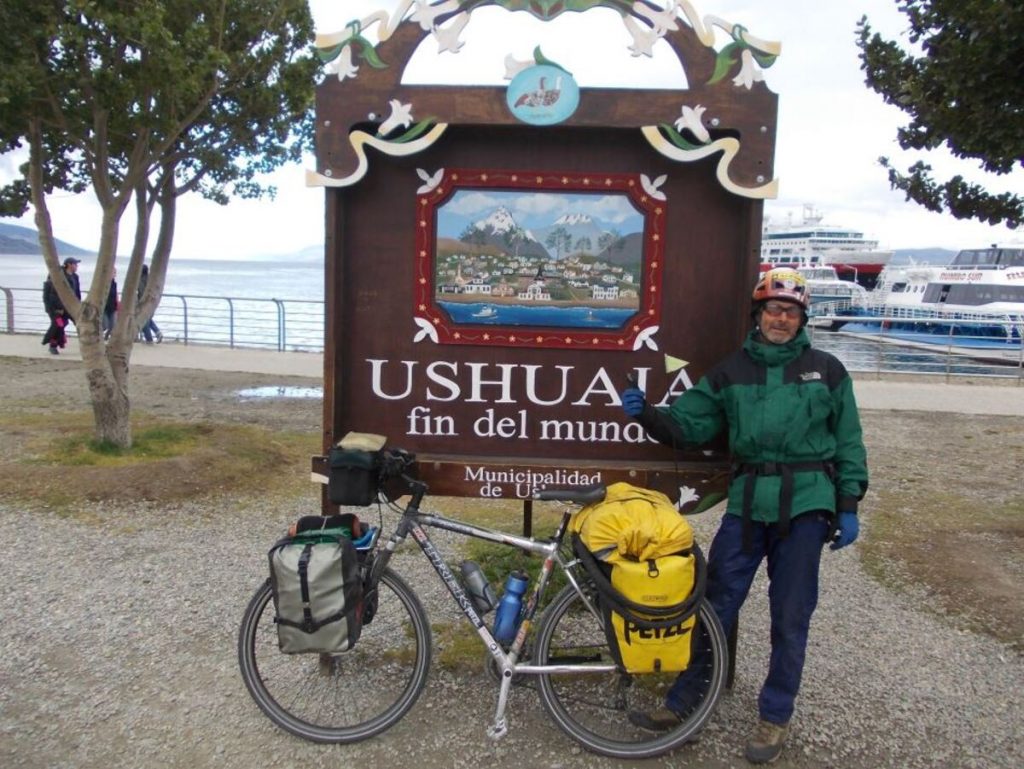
(726, 110)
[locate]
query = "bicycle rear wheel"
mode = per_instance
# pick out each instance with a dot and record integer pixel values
(340, 697)
(593, 708)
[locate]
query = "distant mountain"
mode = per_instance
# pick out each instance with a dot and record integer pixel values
(923, 255)
(625, 251)
(581, 232)
(500, 229)
(23, 240)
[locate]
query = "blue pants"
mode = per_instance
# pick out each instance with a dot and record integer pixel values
(792, 596)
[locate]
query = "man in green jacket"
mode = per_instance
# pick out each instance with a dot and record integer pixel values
(800, 468)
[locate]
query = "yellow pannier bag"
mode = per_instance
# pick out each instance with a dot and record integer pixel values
(649, 574)
(646, 643)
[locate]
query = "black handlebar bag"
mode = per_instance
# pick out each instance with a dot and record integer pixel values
(352, 476)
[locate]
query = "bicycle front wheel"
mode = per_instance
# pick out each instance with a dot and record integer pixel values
(340, 697)
(593, 708)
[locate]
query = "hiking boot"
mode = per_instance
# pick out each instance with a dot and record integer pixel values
(660, 720)
(767, 743)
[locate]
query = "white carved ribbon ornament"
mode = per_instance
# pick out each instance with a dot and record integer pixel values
(645, 23)
(399, 117)
(359, 140)
(728, 146)
(337, 48)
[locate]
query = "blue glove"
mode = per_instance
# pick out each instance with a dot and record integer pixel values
(633, 401)
(847, 530)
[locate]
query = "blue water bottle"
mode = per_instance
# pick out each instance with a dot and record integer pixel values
(506, 620)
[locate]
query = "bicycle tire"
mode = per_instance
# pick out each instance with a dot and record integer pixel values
(593, 708)
(344, 697)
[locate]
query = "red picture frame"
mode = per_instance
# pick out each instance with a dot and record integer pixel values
(500, 285)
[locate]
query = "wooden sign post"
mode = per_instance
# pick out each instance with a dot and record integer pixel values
(499, 258)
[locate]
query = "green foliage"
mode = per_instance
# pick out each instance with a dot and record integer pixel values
(964, 90)
(202, 94)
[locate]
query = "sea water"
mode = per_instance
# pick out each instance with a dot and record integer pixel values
(255, 279)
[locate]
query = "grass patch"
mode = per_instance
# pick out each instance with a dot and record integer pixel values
(59, 464)
(962, 552)
(457, 646)
(157, 442)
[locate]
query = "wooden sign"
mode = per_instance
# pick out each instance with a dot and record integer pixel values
(498, 259)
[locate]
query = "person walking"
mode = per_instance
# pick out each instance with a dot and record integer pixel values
(149, 328)
(110, 308)
(56, 334)
(799, 471)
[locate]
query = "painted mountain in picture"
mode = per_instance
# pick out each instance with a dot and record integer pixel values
(538, 258)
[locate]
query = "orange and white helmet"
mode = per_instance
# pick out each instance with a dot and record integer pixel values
(784, 284)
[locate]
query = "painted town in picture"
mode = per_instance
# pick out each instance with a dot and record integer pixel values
(538, 258)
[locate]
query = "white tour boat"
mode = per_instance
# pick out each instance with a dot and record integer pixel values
(975, 304)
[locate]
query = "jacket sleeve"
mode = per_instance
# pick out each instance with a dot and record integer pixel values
(51, 301)
(660, 426)
(696, 417)
(851, 455)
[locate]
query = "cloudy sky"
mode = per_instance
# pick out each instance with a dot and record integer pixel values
(831, 128)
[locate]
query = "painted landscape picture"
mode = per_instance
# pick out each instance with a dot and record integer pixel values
(537, 258)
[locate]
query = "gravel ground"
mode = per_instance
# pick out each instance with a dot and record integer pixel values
(118, 648)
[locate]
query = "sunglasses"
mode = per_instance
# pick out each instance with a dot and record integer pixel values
(777, 310)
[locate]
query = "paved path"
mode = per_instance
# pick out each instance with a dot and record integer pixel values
(1005, 397)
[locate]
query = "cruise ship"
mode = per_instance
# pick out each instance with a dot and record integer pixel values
(811, 243)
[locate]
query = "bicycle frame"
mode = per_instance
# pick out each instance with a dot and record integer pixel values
(413, 522)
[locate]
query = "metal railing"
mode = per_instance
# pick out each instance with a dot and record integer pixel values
(277, 324)
(298, 324)
(929, 346)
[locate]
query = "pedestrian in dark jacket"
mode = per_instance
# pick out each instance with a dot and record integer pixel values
(110, 307)
(149, 328)
(56, 334)
(799, 470)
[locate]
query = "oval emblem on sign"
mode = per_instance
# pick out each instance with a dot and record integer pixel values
(543, 95)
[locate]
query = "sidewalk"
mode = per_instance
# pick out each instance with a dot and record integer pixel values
(176, 355)
(999, 397)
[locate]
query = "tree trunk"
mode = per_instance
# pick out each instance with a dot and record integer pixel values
(111, 410)
(106, 371)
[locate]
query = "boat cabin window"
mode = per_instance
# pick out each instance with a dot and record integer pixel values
(977, 257)
(972, 295)
(1012, 257)
(899, 288)
(936, 292)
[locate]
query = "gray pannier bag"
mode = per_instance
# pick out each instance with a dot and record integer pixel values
(318, 591)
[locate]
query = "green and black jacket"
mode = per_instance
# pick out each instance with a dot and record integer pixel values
(793, 427)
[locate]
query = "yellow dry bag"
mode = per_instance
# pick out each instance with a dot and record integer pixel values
(649, 574)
